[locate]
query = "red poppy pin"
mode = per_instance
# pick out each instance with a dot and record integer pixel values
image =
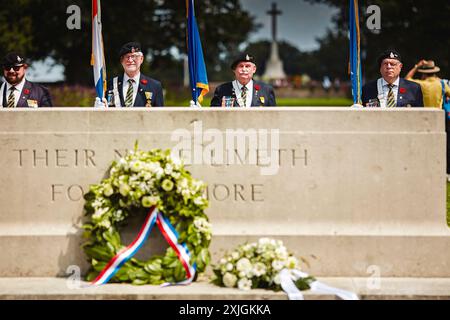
(257, 87)
(26, 91)
(144, 81)
(402, 90)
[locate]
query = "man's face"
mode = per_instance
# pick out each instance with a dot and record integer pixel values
(244, 72)
(14, 74)
(390, 69)
(131, 62)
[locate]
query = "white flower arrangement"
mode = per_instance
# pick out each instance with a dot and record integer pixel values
(257, 265)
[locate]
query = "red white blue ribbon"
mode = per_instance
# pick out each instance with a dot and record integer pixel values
(171, 236)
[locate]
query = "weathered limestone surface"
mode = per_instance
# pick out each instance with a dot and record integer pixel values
(356, 192)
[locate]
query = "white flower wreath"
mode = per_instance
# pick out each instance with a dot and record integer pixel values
(137, 182)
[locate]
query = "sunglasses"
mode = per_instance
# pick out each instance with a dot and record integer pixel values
(15, 68)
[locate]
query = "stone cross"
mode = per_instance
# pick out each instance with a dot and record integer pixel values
(274, 12)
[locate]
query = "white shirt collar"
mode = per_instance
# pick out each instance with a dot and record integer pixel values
(249, 85)
(396, 82)
(18, 86)
(135, 78)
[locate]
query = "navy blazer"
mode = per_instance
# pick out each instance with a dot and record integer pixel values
(264, 96)
(31, 91)
(146, 84)
(412, 95)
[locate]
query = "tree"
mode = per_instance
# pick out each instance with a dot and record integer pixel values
(38, 29)
(416, 28)
(325, 61)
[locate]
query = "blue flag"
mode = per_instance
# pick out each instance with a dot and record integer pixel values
(197, 69)
(355, 52)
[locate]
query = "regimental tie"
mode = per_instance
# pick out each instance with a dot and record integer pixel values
(391, 98)
(244, 95)
(11, 98)
(129, 97)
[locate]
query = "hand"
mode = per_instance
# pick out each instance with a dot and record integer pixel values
(421, 63)
(100, 103)
(193, 105)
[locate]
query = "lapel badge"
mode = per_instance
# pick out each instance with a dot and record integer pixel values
(262, 99)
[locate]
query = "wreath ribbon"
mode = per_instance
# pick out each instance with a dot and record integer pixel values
(171, 236)
(288, 277)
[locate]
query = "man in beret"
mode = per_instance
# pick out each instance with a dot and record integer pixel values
(390, 90)
(133, 89)
(243, 91)
(17, 92)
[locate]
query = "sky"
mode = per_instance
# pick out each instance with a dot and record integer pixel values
(300, 24)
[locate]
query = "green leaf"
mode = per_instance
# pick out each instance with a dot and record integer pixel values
(139, 282)
(153, 268)
(99, 253)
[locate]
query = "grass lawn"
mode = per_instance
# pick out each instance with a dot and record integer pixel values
(285, 102)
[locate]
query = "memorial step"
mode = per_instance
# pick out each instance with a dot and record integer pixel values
(366, 288)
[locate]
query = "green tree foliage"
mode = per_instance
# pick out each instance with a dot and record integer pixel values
(416, 28)
(38, 29)
(329, 60)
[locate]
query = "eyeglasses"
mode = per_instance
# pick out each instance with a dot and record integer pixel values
(133, 57)
(393, 64)
(15, 68)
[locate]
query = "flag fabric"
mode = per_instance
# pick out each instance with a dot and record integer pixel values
(98, 56)
(197, 69)
(355, 52)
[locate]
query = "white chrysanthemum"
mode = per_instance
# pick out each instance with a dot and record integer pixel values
(108, 190)
(244, 265)
(223, 261)
(277, 279)
(278, 264)
(264, 241)
(168, 169)
(99, 213)
(159, 172)
(136, 165)
(229, 280)
(292, 263)
(105, 223)
(176, 175)
(97, 203)
(199, 201)
(197, 184)
(244, 284)
(259, 269)
(281, 253)
(202, 225)
(124, 189)
(235, 255)
(229, 266)
(183, 184)
(176, 162)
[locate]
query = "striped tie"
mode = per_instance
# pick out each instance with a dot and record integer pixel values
(11, 98)
(129, 98)
(244, 95)
(391, 98)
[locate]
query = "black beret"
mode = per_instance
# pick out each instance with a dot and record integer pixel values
(13, 59)
(242, 58)
(129, 47)
(389, 54)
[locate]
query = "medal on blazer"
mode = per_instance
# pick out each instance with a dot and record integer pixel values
(148, 97)
(32, 103)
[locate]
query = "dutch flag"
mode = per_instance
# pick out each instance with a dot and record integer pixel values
(98, 57)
